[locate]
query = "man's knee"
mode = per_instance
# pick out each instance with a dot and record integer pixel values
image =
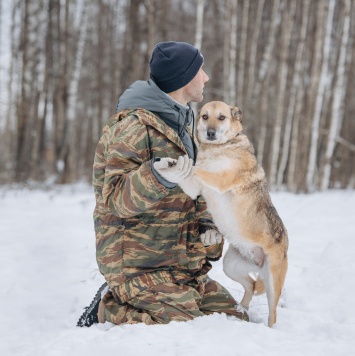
(169, 302)
(218, 299)
(159, 304)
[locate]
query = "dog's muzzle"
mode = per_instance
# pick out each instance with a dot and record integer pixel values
(211, 134)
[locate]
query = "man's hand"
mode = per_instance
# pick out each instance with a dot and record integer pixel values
(175, 171)
(211, 237)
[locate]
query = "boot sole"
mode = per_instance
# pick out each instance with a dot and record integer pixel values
(87, 319)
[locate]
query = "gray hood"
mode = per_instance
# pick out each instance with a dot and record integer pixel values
(147, 95)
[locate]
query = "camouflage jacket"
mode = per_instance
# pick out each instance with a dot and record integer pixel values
(146, 234)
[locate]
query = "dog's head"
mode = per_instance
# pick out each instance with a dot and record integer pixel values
(218, 123)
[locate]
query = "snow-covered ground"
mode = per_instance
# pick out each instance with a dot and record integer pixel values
(48, 274)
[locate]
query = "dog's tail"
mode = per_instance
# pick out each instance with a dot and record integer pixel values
(259, 287)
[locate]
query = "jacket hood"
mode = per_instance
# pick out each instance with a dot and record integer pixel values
(147, 95)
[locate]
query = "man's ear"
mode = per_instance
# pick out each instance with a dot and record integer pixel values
(237, 113)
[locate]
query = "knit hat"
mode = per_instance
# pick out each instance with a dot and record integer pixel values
(174, 64)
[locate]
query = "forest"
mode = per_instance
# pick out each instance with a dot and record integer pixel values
(289, 65)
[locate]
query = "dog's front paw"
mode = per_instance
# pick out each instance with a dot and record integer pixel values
(174, 171)
(211, 237)
(164, 163)
(191, 186)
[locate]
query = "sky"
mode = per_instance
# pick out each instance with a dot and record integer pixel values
(49, 274)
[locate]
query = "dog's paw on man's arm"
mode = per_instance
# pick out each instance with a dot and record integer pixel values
(211, 237)
(174, 171)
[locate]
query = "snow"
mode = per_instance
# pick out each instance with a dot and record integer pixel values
(48, 274)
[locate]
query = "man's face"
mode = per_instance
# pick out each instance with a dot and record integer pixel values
(194, 89)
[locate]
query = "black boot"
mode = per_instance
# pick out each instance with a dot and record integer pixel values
(89, 316)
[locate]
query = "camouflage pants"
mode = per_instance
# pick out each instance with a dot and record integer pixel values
(167, 302)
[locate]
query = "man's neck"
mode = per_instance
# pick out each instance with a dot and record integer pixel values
(178, 98)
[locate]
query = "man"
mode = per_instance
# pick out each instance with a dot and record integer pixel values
(154, 243)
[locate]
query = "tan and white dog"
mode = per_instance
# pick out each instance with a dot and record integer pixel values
(228, 176)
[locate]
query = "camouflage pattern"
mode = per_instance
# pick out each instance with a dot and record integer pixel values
(167, 302)
(146, 234)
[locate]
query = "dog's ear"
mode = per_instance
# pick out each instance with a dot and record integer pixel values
(198, 114)
(237, 113)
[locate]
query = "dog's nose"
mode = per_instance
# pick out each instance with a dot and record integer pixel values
(211, 134)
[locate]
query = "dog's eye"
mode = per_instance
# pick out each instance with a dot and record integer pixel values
(205, 117)
(221, 117)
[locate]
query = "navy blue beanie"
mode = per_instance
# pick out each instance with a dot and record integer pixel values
(174, 64)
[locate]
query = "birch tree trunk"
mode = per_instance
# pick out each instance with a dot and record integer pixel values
(101, 36)
(31, 81)
(43, 72)
(233, 53)
(295, 140)
(199, 23)
(253, 51)
(61, 81)
(165, 18)
(315, 47)
(42, 98)
(131, 53)
(78, 63)
(312, 160)
(9, 140)
(70, 138)
(226, 50)
(287, 26)
(242, 54)
(150, 5)
(295, 88)
(23, 105)
(337, 112)
(263, 120)
(198, 40)
(264, 65)
(263, 82)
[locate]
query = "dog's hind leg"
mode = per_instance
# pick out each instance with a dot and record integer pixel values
(274, 284)
(259, 287)
(237, 267)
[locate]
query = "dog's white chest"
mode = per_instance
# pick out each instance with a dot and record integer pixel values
(213, 165)
(222, 209)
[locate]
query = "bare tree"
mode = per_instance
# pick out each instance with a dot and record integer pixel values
(150, 8)
(287, 26)
(299, 155)
(132, 68)
(242, 53)
(296, 90)
(69, 151)
(253, 52)
(233, 53)
(312, 162)
(263, 82)
(226, 49)
(289, 65)
(337, 112)
(199, 23)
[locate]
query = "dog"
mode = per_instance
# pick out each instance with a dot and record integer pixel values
(234, 186)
